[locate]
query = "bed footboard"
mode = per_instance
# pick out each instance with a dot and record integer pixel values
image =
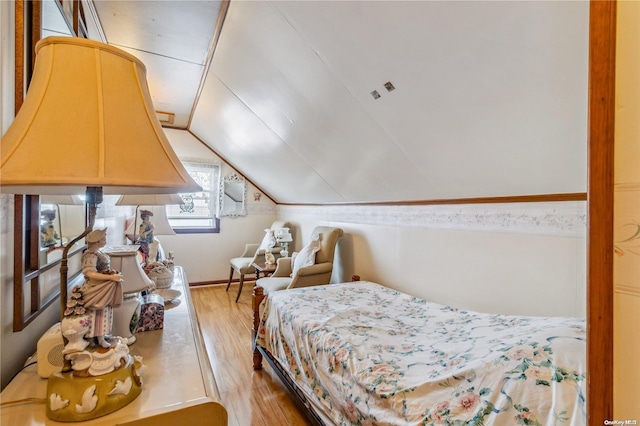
(258, 297)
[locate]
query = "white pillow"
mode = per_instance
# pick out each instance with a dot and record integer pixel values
(307, 255)
(269, 240)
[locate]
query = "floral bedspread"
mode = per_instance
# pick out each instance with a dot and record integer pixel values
(369, 355)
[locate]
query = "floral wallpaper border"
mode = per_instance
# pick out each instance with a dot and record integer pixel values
(550, 218)
(261, 209)
(626, 232)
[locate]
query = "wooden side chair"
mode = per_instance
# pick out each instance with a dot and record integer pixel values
(253, 254)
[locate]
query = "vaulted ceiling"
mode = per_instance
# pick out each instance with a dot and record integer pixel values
(489, 98)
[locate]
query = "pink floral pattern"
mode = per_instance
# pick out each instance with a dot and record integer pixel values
(75, 304)
(368, 355)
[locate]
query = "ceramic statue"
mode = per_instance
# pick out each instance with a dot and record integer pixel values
(97, 363)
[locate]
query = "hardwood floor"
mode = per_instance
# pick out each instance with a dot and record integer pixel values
(250, 397)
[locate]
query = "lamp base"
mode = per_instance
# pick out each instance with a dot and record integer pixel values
(285, 249)
(125, 317)
(73, 399)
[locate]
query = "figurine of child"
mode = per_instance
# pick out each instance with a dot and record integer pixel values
(48, 235)
(102, 288)
(146, 227)
(146, 232)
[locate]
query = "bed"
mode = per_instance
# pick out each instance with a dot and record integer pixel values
(363, 354)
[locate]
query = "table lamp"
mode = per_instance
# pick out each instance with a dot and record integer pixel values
(155, 203)
(125, 260)
(88, 104)
(283, 236)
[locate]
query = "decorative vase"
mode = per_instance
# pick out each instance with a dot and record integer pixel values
(163, 278)
(74, 328)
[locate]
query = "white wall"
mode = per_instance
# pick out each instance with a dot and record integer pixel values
(512, 259)
(209, 261)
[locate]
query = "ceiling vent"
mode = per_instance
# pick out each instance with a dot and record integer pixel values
(165, 117)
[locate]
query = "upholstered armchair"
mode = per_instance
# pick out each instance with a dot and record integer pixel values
(318, 273)
(251, 255)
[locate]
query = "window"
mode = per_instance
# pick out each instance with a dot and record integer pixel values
(198, 213)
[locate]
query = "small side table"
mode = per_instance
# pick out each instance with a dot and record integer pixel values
(264, 268)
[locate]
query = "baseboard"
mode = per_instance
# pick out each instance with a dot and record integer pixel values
(218, 282)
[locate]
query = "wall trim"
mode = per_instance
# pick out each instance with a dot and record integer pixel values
(628, 290)
(600, 166)
(628, 186)
(553, 218)
(215, 282)
(534, 198)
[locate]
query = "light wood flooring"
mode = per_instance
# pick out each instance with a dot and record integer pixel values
(250, 397)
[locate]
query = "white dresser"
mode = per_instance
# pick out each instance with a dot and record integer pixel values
(178, 384)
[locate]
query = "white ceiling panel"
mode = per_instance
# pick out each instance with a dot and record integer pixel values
(172, 84)
(53, 23)
(490, 97)
(172, 38)
(292, 92)
(177, 29)
(483, 89)
(238, 135)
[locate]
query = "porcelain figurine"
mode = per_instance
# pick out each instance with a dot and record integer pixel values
(102, 288)
(74, 327)
(48, 235)
(145, 232)
(269, 258)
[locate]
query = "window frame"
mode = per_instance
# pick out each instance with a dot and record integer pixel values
(190, 165)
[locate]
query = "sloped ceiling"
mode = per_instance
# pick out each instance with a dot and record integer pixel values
(172, 38)
(490, 97)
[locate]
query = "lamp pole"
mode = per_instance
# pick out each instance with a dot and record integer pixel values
(93, 198)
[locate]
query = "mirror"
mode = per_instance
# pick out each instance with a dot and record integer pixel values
(62, 218)
(232, 196)
(57, 18)
(36, 268)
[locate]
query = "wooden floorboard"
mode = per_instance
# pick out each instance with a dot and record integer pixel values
(255, 398)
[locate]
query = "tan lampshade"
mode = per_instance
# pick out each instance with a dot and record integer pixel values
(88, 120)
(124, 259)
(62, 200)
(156, 204)
(149, 200)
(283, 235)
(159, 219)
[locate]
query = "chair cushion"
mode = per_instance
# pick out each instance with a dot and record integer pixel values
(242, 264)
(268, 241)
(272, 284)
(307, 255)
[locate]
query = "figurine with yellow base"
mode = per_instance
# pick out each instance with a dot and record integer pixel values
(99, 376)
